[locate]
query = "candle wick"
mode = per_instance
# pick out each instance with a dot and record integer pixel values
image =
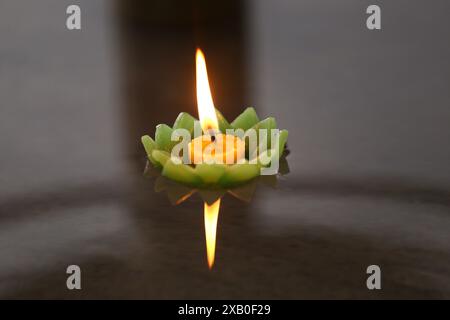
(213, 137)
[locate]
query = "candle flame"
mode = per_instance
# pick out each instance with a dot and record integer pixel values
(211, 216)
(205, 104)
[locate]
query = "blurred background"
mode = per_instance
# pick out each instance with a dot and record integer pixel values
(368, 119)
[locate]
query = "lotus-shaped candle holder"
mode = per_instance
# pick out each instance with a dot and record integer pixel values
(217, 175)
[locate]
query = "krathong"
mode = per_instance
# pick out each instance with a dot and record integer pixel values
(213, 155)
(218, 154)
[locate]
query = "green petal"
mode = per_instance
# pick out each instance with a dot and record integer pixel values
(223, 123)
(239, 173)
(197, 129)
(149, 146)
(246, 119)
(184, 121)
(282, 139)
(163, 136)
(160, 157)
(268, 124)
(271, 154)
(210, 173)
(181, 173)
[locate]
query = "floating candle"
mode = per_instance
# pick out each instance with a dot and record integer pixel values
(216, 158)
